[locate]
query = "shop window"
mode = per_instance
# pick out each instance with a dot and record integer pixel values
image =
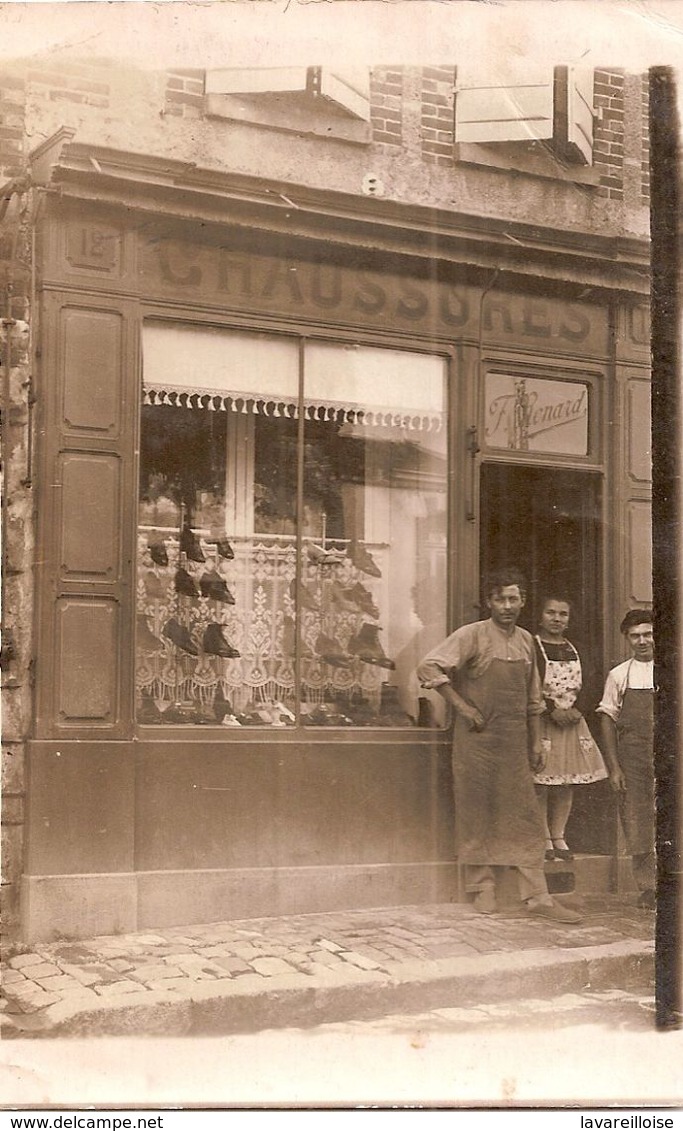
(292, 531)
(317, 100)
(535, 118)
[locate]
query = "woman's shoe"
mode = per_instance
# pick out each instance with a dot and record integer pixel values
(561, 851)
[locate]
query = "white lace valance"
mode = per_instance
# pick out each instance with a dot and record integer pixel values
(253, 403)
(230, 371)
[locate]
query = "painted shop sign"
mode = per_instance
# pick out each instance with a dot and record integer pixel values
(329, 292)
(525, 414)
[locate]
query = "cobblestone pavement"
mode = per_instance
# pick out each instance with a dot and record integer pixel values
(322, 947)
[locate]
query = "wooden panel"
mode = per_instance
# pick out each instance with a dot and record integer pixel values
(87, 649)
(262, 804)
(640, 552)
(92, 371)
(81, 807)
(90, 515)
(639, 431)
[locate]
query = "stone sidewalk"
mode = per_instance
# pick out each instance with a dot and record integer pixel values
(247, 975)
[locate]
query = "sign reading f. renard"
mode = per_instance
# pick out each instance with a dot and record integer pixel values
(526, 414)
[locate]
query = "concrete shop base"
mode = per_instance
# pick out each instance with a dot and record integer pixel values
(86, 905)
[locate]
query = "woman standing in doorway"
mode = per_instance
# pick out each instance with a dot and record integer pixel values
(571, 755)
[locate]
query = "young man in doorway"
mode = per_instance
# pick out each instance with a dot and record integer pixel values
(627, 721)
(487, 672)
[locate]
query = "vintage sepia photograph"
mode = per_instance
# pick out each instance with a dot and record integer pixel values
(339, 675)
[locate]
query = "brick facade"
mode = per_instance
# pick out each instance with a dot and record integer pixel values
(438, 92)
(386, 100)
(608, 138)
(184, 95)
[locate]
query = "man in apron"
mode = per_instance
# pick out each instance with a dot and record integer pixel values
(487, 673)
(627, 721)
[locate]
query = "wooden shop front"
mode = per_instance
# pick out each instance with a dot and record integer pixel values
(275, 453)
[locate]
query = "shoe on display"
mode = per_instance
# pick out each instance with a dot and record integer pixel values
(148, 712)
(154, 587)
(230, 721)
(331, 651)
(307, 599)
(221, 705)
(181, 713)
(319, 556)
(363, 599)
(284, 712)
(184, 584)
(223, 547)
(215, 644)
(325, 715)
(203, 717)
(158, 553)
(213, 586)
(363, 560)
(145, 639)
(249, 719)
(556, 912)
(367, 647)
(179, 635)
(342, 598)
(189, 545)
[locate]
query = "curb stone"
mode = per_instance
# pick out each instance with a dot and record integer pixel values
(252, 1003)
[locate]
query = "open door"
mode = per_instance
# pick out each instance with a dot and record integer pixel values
(546, 522)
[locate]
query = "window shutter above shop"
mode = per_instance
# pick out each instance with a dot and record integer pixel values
(347, 90)
(489, 108)
(574, 109)
(537, 105)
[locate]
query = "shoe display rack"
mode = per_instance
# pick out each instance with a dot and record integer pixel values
(216, 632)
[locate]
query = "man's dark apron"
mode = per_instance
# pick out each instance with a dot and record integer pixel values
(635, 729)
(497, 816)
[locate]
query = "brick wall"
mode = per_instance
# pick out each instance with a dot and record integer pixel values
(82, 83)
(386, 104)
(608, 133)
(184, 95)
(438, 121)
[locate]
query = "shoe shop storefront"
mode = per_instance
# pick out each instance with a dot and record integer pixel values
(276, 447)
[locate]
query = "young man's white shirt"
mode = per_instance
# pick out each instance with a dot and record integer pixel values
(636, 674)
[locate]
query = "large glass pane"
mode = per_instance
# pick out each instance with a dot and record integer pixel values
(224, 636)
(217, 529)
(373, 599)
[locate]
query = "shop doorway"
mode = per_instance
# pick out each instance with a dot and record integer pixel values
(546, 522)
